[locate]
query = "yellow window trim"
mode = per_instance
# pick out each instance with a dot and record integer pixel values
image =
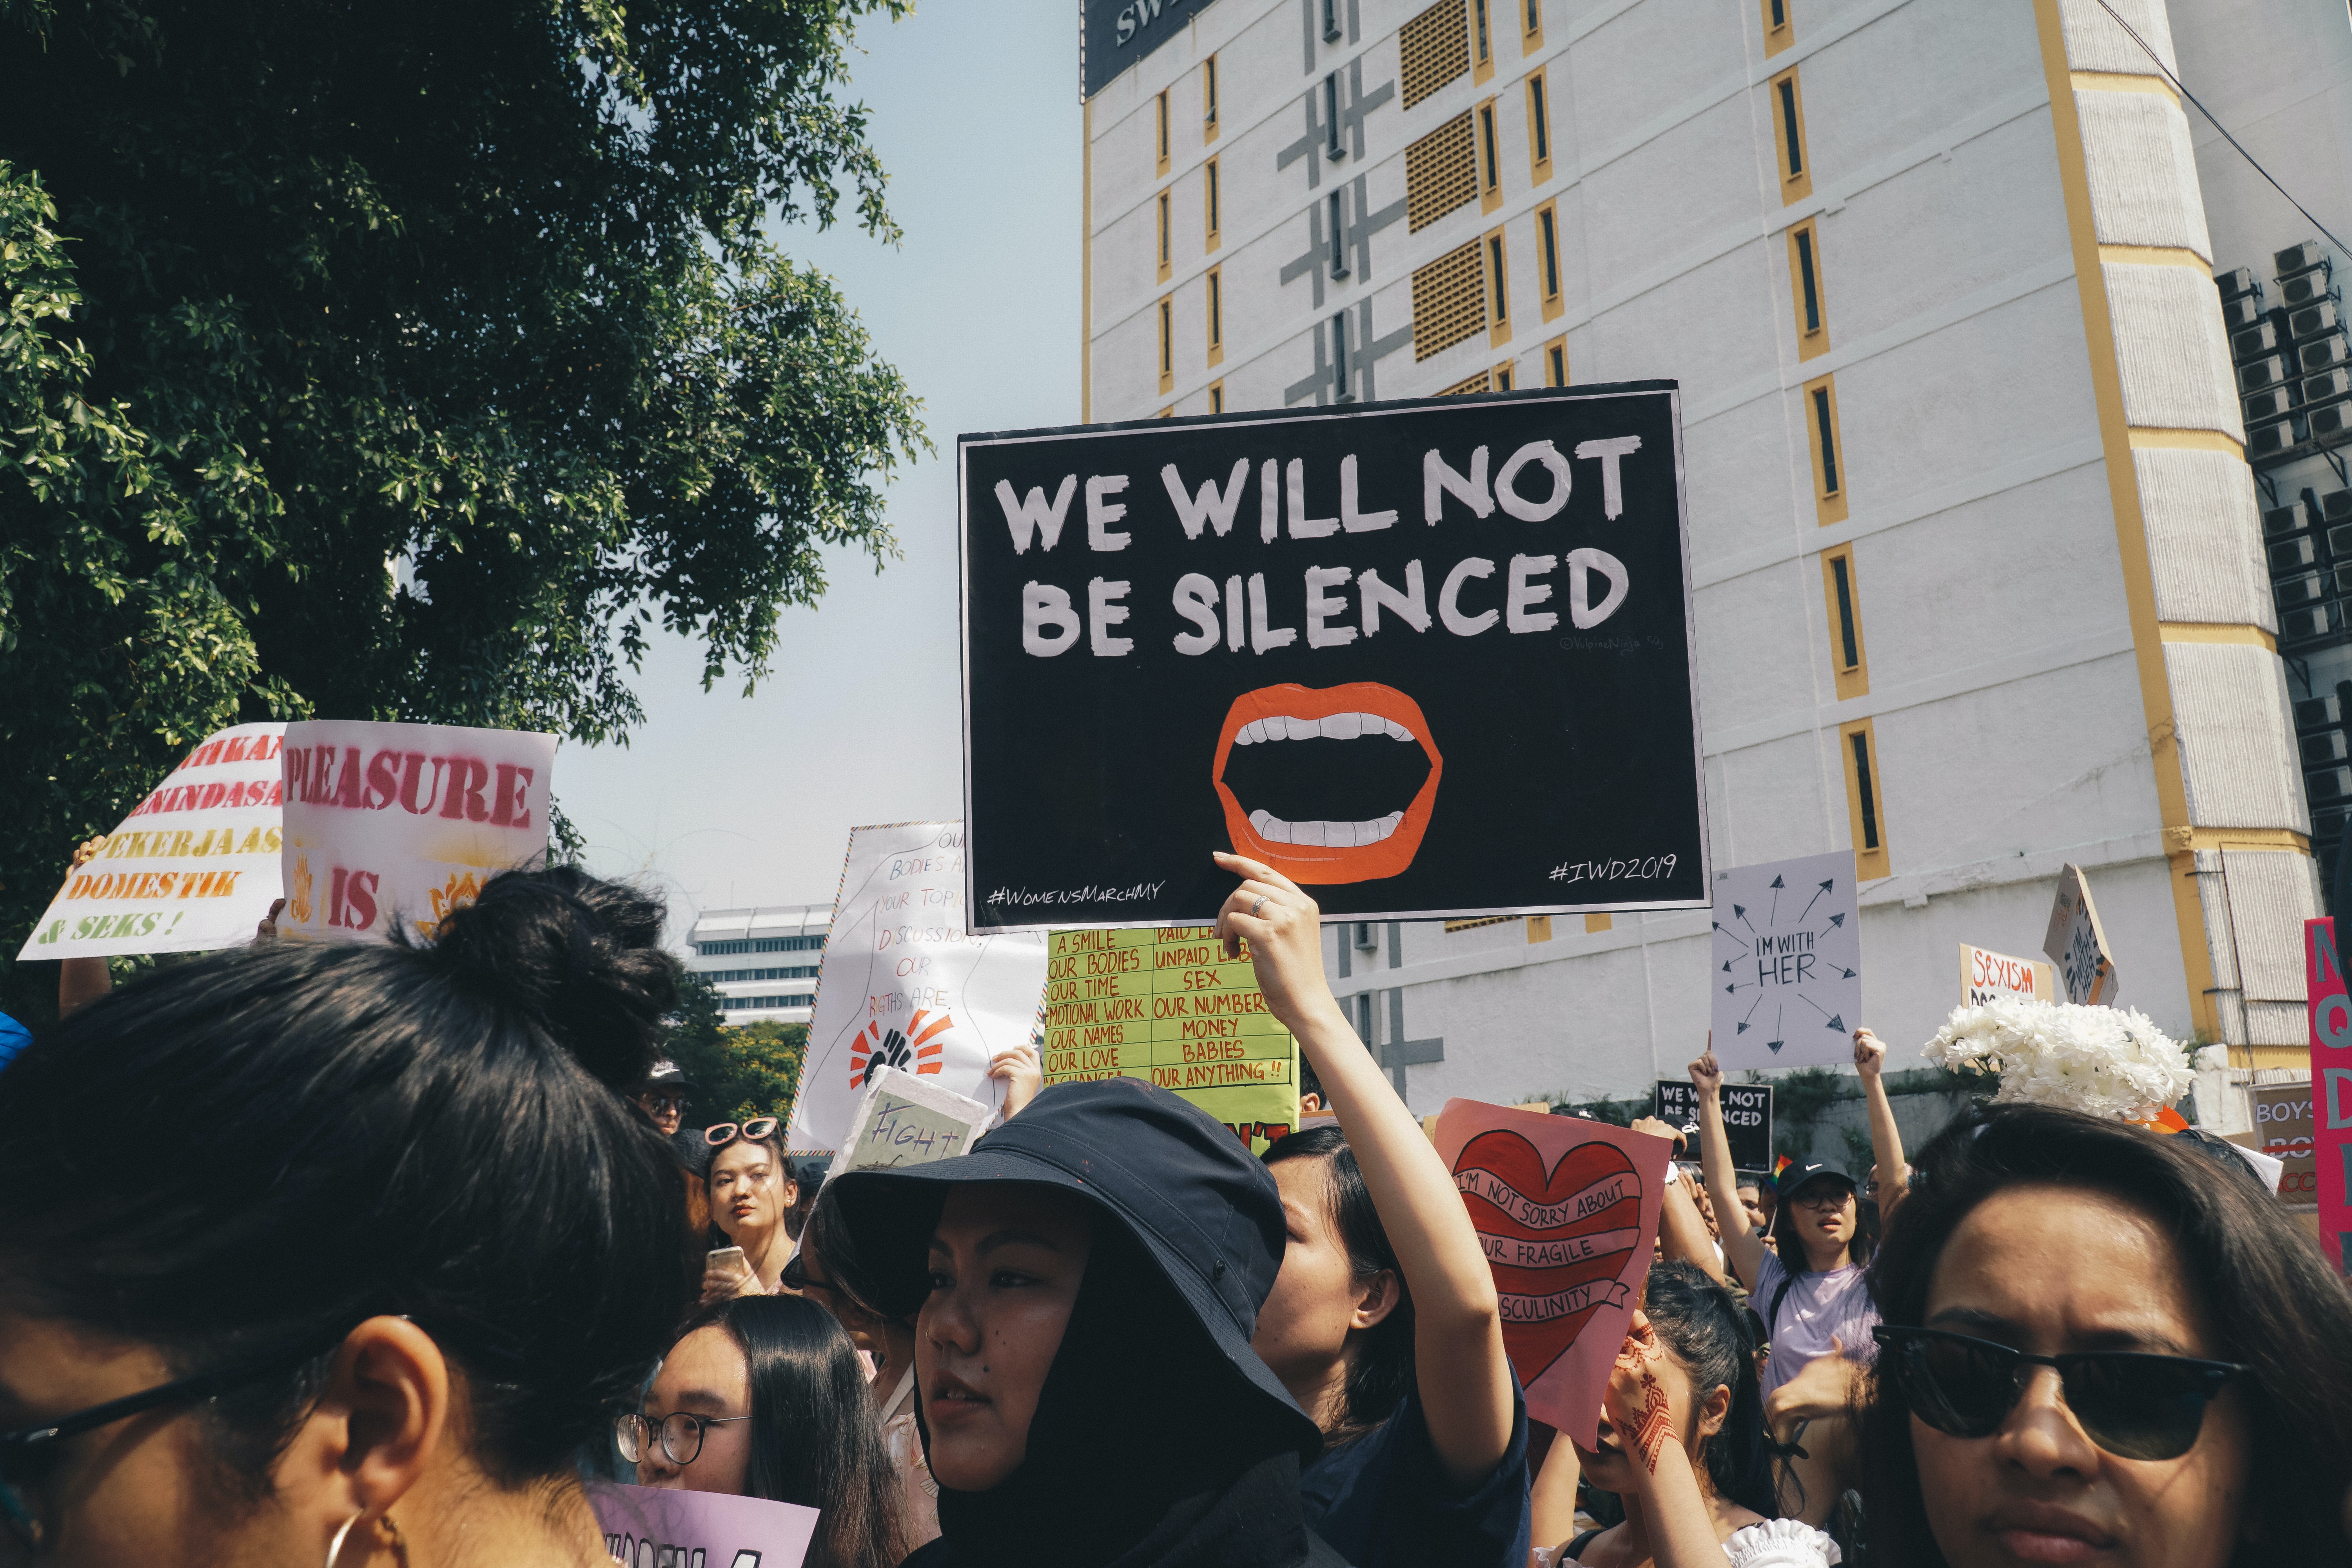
(1548, 281)
(1869, 864)
(1806, 258)
(1482, 48)
(1539, 928)
(1209, 99)
(1167, 345)
(1217, 396)
(1538, 105)
(1495, 253)
(1555, 371)
(1595, 924)
(1161, 147)
(1213, 297)
(1490, 157)
(1852, 680)
(1211, 202)
(1829, 499)
(1785, 101)
(1506, 376)
(1781, 35)
(1167, 252)
(1530, 36)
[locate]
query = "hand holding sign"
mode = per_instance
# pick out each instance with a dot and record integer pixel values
(1787, 961)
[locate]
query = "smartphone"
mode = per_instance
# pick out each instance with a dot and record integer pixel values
(728, 1258)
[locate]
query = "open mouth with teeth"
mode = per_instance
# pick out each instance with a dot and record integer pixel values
(1330, 785)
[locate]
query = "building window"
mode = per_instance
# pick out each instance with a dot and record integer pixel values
(1330, 21)
(1480, 51)
(1209, 197)
(1498, 291)
(761, 944)
(1841, 595)
(1331, 143)
(1163, 236)
(1167, 345)
(1216, 397)
(1338, 210)
(1490, 174)
(1340, 390)
(1548, 257)
(1432, 50)
(1829, 453)
(1216, 316)
(1778, 33)
(1531, 26)
(1539, 129)
(1449, 300)
(1440, 173)
(1502, 376)
(1555, 359)
(1865, 800)
(1788, 133)
(1160, 110)
(1209, 98)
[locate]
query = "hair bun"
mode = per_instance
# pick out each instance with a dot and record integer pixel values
(581, 956)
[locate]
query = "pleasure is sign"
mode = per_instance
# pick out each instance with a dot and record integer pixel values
(1428, 658)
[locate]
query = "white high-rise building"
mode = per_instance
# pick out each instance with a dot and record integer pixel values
(1979, 569)
(762, 961)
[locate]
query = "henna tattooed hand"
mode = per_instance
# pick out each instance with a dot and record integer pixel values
(1635, 1402)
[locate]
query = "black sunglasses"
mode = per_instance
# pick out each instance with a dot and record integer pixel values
(26, 1453)
(2134, 1407)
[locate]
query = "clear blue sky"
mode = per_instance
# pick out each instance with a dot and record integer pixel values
(720, 799)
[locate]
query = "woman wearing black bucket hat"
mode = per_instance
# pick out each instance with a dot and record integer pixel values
(1086, 1281)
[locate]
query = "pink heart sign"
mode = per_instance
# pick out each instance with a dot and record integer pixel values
(1566, 1210)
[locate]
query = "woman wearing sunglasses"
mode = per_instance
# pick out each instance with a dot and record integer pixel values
(751, 1192)
(2100, 1347)
(764, 1397)
(294, 1266)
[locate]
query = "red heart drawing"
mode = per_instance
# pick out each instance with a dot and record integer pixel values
(1559, 1241)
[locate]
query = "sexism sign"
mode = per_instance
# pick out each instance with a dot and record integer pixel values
(1428, 658)
(404, 822)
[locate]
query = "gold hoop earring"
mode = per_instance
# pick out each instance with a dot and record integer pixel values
(399, 1541)
(335, 1547)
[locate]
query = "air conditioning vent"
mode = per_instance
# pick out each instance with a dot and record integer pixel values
(2236, 281)
(2299, 257)
(2304, 289)
(2292, 555)
(2324, 388)
(2254, 342)
(2313, 623)
(2273, 404)
(2268, 371)
(2241, 312)
(2331, 421)
(2318, 712)
(2339, 541)
(2313, 319)
(2335, 505)
(2328, 783)
(2324, 748)
(2281, 521)
(2264, 439)
(2293, 592)
(2321, 352)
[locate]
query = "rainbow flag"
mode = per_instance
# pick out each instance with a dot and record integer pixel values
(1782, 1164)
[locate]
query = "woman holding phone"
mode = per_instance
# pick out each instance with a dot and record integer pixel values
(751, 1192)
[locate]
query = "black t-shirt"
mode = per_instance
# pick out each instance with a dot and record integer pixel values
(1381, 1499)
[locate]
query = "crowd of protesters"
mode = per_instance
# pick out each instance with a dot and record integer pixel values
(382, 1253)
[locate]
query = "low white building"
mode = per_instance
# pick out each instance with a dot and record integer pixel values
(1980, 569)
(762, 961)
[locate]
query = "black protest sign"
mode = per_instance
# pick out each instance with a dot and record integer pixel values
(1425, 659)
(1746, 1118)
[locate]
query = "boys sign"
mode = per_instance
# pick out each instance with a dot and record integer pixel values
(1428, 658)
(1566, 1210)
(1787, 964)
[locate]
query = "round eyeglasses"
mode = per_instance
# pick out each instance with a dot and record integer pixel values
(681, 1434)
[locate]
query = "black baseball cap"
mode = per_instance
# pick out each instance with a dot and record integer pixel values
(1799, 1176)
(666, 1074)
(1173, 1177)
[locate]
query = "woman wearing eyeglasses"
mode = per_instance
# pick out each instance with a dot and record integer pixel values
(764, 1397)
(294, 1267)
(2101, 1347)
(752, 1191)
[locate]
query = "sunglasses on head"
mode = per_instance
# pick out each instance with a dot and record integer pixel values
(2132, 1405)
(750, 1132)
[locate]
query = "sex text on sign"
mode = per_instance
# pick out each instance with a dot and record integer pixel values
(1746, 1118)
(1426, 658)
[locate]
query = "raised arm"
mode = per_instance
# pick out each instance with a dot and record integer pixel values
(1681, 1527)
(1682, 1229)
(1741, 1249)
(1886, 1137)
(1460, 1367)
(1552, 1500)
(82, 981)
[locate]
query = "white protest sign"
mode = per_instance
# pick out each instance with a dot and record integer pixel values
(904, 984)
(193, 867)
(1787, 963)
(902, 1120)
(647, 1525)
(2077, 943)
(1986, 975)
(405, 822)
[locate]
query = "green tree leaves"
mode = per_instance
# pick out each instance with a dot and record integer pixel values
(738, 1073)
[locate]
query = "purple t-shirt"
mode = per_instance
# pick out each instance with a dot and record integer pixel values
(1818, 1308)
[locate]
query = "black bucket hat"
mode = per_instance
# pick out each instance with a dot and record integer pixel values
(1173, 1177)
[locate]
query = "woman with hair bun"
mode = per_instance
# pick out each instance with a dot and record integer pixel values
(340, 1253)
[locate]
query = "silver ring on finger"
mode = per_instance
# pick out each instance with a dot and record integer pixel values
(1256, 907)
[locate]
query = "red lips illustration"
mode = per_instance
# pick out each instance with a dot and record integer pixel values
(1320, 852)
(1559, 1242)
